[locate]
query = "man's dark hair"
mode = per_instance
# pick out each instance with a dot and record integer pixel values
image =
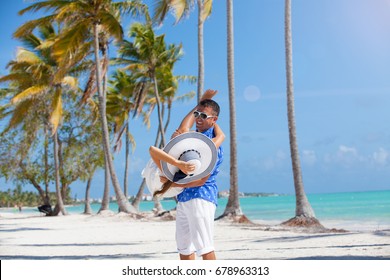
(212, 104)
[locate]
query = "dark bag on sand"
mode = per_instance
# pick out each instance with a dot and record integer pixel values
(46, 208)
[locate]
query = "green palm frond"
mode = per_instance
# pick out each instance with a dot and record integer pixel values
(131, 141)
(19, 113)
(5, 110)
(207, 8)
(29, 92)
(23, 55)
(46, 45)
(73, 66)
(30, 41)
(29, 26)
(73, 11)
(133, 8)
(21, 77)
(44, 5)
(46, 31)
(111, 25)
(71, 39)
(181, 8)
(187, 96)
(161, 9)
(186, 78)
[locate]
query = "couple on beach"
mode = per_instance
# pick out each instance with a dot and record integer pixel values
(194, 178)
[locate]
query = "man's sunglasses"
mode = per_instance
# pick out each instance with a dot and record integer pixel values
(202, 115)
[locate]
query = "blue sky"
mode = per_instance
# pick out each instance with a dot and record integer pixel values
(341, 65)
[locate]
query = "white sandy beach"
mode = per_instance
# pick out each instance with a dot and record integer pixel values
(118, 236)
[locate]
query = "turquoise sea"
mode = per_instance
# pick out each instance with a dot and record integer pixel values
(369, 206)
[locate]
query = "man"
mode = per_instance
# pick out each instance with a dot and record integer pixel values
(197, 202)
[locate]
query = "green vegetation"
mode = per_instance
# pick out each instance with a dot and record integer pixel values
(19, 198)
(64, 106)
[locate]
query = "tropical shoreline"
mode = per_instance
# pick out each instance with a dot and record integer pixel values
(120, 236)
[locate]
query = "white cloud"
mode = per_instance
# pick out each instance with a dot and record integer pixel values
(281, 155)
(381, 157)
(344, 150)
(276, 161)
(350, 157)
(309, 157)
(345, 156)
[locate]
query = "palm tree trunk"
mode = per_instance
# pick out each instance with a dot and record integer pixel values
(106, 194)
(233, 205)
(64, 192)
(139, 195)
(87, 208)
(105, 205)
(46, 159)
(169, 109)
(160, 119)
(123, 203)
(60, 205)
(303, 207)
(126, 175)
(45, 197)
(140, 192)
(200, 51)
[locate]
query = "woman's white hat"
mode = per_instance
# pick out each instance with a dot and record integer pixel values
(192, 147)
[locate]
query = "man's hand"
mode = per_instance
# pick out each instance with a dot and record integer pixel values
(208, 94)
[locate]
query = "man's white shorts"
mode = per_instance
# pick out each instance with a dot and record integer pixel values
(195, 227)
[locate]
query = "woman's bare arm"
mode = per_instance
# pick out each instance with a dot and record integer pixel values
(159, 155)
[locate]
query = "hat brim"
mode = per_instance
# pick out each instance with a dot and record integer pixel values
(152, 178)
(194, 141)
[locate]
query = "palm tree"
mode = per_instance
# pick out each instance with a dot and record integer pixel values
(120, 104)
(304, 214)
(148, 56)
(87, 207)
(233, 205)
(85, 20)
(35, 73)
(17, 140)
(182, 8)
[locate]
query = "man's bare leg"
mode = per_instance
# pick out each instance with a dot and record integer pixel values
(187, 257)
(209, 256)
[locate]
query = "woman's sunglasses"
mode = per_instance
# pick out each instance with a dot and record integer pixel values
(202, 115)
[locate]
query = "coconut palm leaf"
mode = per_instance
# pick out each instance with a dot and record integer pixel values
(29, 92)
(70, 40)
(56, 112)
(23, 55)
(111, 25)
(29, 26)
(207, 8)
(19, 113)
